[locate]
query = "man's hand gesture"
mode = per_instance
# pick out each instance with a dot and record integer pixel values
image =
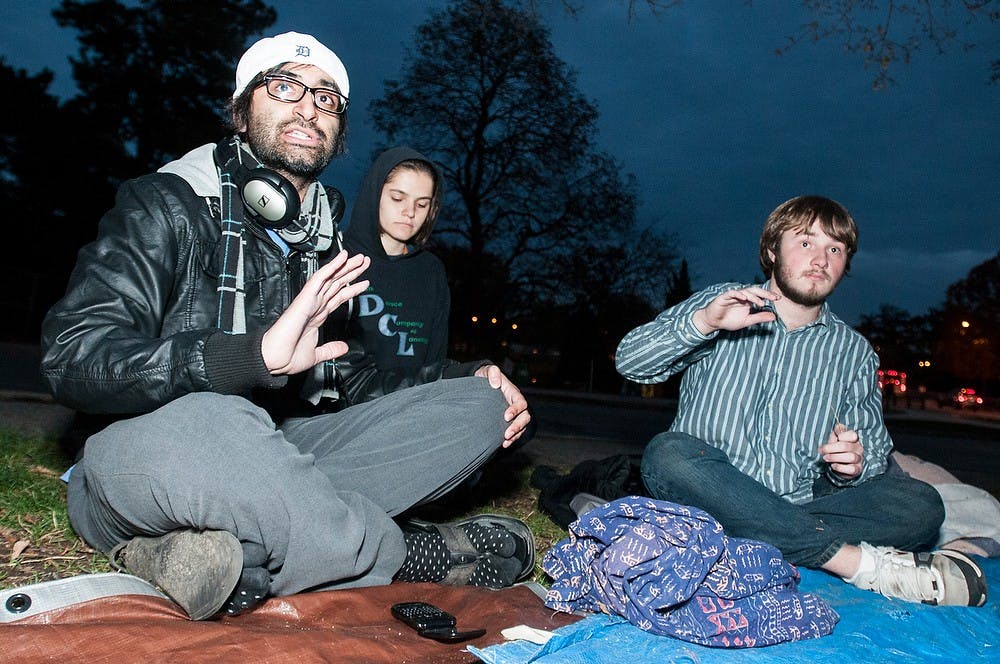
(732, 310)
(844, 452)
(290, 345)
(517, 408)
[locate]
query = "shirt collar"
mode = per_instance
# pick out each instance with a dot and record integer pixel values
(822, 322)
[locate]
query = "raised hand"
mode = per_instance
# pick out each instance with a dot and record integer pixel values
(733, 310)
(290, 346)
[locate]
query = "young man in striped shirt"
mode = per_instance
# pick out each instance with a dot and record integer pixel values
(779, 432)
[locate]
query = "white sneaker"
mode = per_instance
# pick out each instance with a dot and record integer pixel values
(942, 577)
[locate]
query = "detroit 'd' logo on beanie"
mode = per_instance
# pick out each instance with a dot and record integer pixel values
(290, 47)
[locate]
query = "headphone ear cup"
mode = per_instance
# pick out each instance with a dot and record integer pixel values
(270, 198)
(336, 201)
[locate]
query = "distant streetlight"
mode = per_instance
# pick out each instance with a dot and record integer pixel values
(965, 323)
(513, 326)
(493, 320)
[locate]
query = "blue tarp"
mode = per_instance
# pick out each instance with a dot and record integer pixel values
(871, 629)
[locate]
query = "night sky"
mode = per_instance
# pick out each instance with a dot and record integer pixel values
(717, 128)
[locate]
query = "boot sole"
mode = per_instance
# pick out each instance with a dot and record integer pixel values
(208, 563)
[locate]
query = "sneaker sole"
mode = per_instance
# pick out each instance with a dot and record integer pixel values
(973, 574)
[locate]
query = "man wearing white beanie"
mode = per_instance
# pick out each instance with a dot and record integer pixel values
(198, 314)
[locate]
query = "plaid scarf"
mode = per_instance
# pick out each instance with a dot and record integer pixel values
(313, 232)
(308, 235)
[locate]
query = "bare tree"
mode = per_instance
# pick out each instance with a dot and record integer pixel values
(531, 194)
(574, 7)
(889, 32)
(885, 33)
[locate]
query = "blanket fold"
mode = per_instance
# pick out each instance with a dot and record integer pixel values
(671, 570)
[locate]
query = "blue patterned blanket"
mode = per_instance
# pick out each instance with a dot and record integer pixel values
(671, 570)
(871, 628)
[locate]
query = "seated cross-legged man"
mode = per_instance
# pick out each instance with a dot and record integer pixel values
(234, 472)
(779, 431)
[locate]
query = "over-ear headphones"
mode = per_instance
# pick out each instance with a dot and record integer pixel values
(270, 199)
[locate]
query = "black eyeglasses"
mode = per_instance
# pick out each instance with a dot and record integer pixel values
(290, 90)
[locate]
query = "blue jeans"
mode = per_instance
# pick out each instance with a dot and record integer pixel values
(889, 510)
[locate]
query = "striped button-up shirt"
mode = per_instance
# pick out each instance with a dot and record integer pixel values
(766, 396)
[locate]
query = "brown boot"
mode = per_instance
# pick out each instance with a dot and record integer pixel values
(198, 570)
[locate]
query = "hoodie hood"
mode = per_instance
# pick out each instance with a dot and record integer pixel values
(363, 234)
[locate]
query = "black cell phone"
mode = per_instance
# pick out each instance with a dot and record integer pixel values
(432, 623)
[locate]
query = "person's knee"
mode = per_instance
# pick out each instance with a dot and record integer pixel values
(184, 425)
(211, 406)
(667, 458)
(656, 455)
(913, 514)
(929, 500)
(672, 449)
(478, 407)
(482, 385)
(928, 511)
(117, 440)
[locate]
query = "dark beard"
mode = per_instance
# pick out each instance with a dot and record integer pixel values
(267, 149)
(802, 298)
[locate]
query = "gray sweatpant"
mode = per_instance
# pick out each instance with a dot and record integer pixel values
(317, 493)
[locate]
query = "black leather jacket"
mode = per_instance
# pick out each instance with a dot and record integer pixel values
(137, 326)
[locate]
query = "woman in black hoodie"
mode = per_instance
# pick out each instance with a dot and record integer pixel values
(398, 329)
(403, 316)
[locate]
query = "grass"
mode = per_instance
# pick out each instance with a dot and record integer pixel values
(37, 543)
